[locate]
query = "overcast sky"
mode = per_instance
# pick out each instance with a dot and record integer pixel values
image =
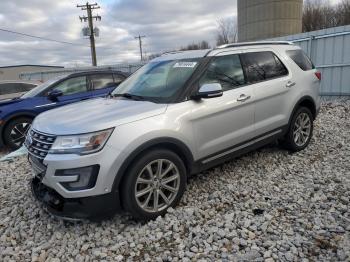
(168, 24)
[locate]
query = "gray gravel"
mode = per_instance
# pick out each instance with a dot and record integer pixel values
(268, 205)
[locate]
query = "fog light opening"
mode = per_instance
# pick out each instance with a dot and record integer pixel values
(85, 177)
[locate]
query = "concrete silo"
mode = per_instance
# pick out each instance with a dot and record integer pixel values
(261, 19)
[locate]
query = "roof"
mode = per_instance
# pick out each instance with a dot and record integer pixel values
(254, 43)
(202, 53)
(31, 65)
(20, 81)
(182, 55)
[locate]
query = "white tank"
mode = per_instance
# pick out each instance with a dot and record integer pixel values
(262, 19)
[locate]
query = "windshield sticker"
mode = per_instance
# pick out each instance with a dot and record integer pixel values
(185, 64)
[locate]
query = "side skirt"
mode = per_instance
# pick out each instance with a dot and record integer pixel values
(238, 150)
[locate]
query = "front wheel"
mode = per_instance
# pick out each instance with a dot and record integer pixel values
(300, 130)
(15, 132)
(154, 182)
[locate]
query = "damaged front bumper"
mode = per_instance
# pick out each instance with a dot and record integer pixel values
(94, 207)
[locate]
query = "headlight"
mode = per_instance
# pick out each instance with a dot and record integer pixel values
(81, 144)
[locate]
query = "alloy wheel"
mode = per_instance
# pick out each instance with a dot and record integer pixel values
(302, 129)
(19, 132)
(157, 185)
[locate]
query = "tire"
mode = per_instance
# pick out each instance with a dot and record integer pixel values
(15, 131)
(138, 180)
(302, 120)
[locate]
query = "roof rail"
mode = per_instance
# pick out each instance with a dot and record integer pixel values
(255, 43)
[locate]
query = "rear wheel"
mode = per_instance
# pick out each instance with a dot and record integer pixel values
(300, 130)
(155, 182)
(15, 132)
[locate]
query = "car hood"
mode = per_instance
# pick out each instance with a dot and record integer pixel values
(94, 115)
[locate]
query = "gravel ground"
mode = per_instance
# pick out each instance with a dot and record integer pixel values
(3, 152)
(268, 205)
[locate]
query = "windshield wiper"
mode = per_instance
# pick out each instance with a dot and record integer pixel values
(129, 96)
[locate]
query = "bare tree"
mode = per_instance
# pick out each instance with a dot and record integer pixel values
(196, 46)
(226, 31)
(321, 14)
(344, 12)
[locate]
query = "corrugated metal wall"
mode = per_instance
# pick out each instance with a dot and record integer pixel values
(329, 49)
(46, 75)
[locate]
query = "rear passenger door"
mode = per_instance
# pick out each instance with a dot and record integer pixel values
(271, 83)
(103, 84)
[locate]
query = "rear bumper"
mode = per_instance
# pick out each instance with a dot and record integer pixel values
(94, 207)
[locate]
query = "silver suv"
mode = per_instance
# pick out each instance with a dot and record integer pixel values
(180, 114)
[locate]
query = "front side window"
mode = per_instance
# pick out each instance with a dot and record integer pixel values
(226, 70)
(301, 59)
(158, 81)
(101, 81)
(261, 66)
(72, 86)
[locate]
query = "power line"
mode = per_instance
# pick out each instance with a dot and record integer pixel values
(41, 38)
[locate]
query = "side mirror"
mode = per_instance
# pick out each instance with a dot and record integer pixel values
(52, 95)
(210, 90)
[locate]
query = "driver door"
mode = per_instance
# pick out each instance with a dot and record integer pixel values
(222, 123)
(74, 89)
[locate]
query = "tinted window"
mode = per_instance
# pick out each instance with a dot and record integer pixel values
(301, 59)
(260, 66)
(226, 70)
(118, 79)
(11, 88)
(101, 81)
(72, 86)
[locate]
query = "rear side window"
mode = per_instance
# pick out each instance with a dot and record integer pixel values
(301, 59)
(118, 78)
(261, 66)
(100, 81)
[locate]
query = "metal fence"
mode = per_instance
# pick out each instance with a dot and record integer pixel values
(329, 49)
(46, 75)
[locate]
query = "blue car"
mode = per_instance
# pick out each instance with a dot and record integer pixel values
(16, 115)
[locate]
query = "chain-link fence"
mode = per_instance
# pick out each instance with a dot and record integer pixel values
(46, 75)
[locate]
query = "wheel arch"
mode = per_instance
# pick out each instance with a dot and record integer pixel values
(305, 101)
(171, 144)
(11, 118)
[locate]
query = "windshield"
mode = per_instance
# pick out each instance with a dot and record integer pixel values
(42, 87)
(158, 81)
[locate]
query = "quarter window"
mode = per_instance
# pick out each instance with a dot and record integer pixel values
(301, 59)
(72, 86)
(226, 70)
(101, 81)
(261, 66)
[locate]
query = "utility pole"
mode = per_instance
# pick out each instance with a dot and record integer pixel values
(140, 43)
(89, 18)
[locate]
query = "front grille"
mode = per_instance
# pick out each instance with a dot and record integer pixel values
(39, 144)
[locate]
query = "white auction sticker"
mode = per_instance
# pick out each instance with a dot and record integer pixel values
(185, 64)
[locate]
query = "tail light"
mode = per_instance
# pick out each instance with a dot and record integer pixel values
(318, 75)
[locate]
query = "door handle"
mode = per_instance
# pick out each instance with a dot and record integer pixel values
(290, 84)
(243, 98)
